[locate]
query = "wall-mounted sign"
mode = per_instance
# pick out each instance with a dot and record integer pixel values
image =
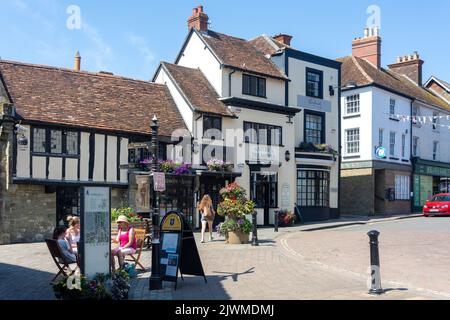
(159, 181)
(142, 198)
(380, 153)
(286, 196)
(313, 104)
(95, 239)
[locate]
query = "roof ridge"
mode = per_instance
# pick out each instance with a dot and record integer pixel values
(81, 73)
(361, 69)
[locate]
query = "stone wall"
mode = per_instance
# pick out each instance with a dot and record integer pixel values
(357, 192)
(30, 214)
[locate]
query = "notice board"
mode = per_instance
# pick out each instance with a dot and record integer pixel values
(95, 239)
(178, 250)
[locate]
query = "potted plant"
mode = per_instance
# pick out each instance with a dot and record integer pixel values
(134, 219)
(234, 207)
(219, 165)
(286, 218)
(102, 287)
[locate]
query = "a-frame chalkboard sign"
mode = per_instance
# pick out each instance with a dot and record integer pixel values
(178, 250)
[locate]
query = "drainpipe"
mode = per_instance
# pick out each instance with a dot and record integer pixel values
(229, 82)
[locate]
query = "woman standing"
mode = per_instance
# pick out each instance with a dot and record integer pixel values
(206, 209)
(127, 242)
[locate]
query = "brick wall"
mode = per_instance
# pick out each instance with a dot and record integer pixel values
(398, 206)
(357, 191)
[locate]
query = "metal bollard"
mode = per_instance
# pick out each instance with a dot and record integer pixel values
(255, 230)
(375, 280)
(276, 221)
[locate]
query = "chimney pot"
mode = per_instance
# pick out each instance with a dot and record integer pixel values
(77, 66)
(368, 48)
(284, 38)
(409, 65)
(199, 20)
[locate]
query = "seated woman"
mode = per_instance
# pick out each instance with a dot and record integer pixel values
(60, 235)
(73, 233)
(127, 241)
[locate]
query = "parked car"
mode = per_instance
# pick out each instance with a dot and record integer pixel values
(439, 205)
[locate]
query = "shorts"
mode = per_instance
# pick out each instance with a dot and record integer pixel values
(207, 219)
(125, 251)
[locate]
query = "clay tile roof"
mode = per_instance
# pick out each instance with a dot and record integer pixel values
(83, 99)
(364, 73)
(197, 89)
(268, 45)
(241, 54)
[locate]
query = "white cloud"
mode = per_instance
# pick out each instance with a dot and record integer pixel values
(143, 48)
(102, 52)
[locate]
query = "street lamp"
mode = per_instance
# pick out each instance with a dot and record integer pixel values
(155, 278)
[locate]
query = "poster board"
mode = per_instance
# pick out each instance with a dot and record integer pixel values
(178, 250)
(95, 240)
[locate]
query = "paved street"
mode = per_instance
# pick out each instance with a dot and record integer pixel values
(293, 264)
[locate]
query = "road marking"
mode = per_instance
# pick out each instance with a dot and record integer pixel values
(295, 254)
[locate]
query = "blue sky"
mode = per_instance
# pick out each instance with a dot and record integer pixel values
(130, 38)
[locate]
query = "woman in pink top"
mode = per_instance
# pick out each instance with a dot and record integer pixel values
(127, 241)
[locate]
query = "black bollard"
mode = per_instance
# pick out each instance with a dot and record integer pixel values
(375, 280)
(255, 230)
(276, 221)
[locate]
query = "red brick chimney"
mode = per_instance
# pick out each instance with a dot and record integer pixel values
(368, 47)
(199, 20)
(410, 66)
(283, 38)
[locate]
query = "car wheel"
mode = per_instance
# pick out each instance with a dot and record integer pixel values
(426, 216)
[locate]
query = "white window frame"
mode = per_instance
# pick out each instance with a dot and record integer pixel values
(402, 187)
(380, 137)
(392, 143)
(415, 146)
(435, 150)
(436, 121)
(403, 146)
(392, 103)
(353, 101)
(358, 133)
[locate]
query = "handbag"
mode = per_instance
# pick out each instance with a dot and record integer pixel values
(130, 269)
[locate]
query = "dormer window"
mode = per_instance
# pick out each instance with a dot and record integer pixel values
(253, 86)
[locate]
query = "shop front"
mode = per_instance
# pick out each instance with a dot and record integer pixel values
(430, 178)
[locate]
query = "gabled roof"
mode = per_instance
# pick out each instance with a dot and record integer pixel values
(268, 45)
(445, 85)
(196, 89)
(90, 100)
(237, 53)
(363, 73)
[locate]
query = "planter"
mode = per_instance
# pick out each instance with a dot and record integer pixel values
(245, 238)
(234, 237)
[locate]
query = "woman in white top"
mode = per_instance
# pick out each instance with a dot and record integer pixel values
(73, 232)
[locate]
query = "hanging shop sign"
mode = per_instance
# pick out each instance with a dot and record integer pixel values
(142, 198)
(159, 181)
(380, 153)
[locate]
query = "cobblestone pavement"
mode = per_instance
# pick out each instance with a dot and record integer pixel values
(293, 264)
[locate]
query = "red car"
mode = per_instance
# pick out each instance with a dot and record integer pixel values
(439, 205)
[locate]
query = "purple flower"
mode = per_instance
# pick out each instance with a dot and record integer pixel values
(240, 222)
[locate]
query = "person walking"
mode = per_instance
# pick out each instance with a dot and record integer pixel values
(207, 210)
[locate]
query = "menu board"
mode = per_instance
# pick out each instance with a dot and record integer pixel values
(95, 230)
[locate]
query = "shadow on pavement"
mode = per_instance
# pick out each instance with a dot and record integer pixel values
(20, 283)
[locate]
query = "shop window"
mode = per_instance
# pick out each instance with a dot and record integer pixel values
(402, 187)
(313, 188)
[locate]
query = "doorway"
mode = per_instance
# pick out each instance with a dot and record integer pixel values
(264, 193)
(67, 204)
